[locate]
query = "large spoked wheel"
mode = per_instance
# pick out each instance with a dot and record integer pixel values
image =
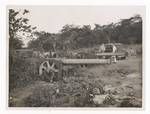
(49, 67)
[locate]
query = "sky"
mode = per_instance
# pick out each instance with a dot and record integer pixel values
(53, 18)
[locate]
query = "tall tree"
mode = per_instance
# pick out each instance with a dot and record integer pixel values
(18, 24)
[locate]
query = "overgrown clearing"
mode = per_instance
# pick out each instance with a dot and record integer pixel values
(85, 83)
(121, 82)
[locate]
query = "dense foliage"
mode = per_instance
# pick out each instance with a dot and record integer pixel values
(127, 31)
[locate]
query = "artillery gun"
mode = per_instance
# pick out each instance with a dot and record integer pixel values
(56, 66)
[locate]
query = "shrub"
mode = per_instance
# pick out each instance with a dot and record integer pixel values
(43, 97)
(20, 72)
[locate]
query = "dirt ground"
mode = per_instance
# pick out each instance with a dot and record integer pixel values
(121, 80)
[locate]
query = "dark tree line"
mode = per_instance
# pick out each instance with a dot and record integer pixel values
(127, 31)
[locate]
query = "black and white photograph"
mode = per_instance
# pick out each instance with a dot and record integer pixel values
(75, 56)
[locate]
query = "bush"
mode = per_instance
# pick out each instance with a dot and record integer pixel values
(43, 97)
(71, 94)
(20, 72)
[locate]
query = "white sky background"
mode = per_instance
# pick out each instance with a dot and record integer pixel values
(53, 18)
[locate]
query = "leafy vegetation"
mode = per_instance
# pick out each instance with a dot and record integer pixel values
(127, 31)
(18, 24)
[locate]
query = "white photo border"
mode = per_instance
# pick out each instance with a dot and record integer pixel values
(3, 47)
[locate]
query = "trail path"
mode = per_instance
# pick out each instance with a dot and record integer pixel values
(20, 94)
